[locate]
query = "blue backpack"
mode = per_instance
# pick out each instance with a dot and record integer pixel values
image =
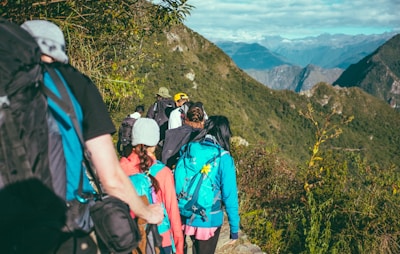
(195, 176)
(143, 187)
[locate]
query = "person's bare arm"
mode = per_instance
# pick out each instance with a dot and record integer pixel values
(114, 180)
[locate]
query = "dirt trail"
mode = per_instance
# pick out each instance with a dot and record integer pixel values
(241, 246)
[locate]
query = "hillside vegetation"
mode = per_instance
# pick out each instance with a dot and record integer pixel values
(321, 172)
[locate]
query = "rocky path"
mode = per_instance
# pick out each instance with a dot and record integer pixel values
(241, 246)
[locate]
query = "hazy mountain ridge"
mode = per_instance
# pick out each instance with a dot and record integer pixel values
(312, 75)
(329, 54)
(252, 56)
(295, 78)
(377, 73)
(327, 51)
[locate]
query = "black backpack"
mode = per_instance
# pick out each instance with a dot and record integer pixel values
(21, 73)
(124, 146)
(162, 109)
(174, 140)
(24, 164)
(34, 213)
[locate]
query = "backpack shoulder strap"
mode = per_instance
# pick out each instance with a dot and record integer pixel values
(224, 152)
(66, 104)
(155, 168)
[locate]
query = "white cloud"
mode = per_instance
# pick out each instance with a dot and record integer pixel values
(251, 20)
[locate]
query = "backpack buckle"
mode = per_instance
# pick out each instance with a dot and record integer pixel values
(182, 195)
(203, 215)
(85, 197)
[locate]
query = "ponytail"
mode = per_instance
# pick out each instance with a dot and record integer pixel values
(145, 163)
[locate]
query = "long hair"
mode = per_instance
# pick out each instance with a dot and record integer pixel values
(195, 113)
(145, 163)
(219, 128)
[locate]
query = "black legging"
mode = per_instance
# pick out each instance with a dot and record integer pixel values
(205, 246)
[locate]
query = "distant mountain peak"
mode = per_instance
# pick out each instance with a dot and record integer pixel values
(377, 73)
(252, 56)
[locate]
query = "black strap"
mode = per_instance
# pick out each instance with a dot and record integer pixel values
(66, 104)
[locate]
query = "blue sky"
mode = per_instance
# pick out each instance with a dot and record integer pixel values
(251, 20)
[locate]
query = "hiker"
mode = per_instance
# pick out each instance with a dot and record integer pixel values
(205, 178)
(201, 105)
(177, 115)
(161, 109)
(97, 128)
(177, 137)
(139, 111)
(124, 147)
(145, 137)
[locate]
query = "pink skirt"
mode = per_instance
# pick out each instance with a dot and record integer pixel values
(199, 233)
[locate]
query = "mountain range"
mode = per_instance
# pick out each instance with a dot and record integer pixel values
(252, 56)
(294, 78)
(326, 50)
(377, 73)
(277, 62)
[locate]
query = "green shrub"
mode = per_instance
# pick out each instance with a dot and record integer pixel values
(335, 203)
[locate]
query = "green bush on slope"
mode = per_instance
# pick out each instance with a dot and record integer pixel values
(334, 204)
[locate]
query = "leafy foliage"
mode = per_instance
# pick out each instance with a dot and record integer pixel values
(336, 203)
(105, 38)
(269, 195)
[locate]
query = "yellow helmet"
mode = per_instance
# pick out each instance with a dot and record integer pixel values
(180, 96)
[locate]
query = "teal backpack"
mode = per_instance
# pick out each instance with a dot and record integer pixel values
(195, 176)
(143, 186)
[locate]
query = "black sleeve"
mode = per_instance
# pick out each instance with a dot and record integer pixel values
(96, 119)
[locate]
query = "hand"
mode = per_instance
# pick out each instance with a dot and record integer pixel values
(155, 214)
